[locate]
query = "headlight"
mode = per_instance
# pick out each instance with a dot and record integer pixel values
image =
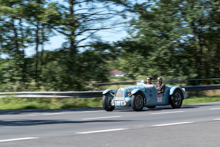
(112, 103)
(125, 103)
(128, 94)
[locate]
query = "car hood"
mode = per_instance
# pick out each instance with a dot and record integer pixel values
(130, 88)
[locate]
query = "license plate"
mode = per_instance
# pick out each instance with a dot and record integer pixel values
(119, 98)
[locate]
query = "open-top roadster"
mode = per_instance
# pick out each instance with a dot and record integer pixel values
(142, 95)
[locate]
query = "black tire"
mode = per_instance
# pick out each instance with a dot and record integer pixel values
(151, 107)
(137, 102)
(176, 99)
(106, 102)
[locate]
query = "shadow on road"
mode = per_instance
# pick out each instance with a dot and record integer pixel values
(158, 108)
(27, 111)
(49, 122)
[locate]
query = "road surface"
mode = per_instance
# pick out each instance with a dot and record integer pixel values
(191, 125)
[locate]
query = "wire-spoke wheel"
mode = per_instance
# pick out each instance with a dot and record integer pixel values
(137, 102)
(106, 102)
(176, 99)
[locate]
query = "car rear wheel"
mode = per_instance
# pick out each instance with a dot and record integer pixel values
(151, 107)
(137, 102)
(106, 102)
(176, 99)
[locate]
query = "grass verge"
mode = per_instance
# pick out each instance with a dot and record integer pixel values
(48, 103)
(195, 100)
(65, 103)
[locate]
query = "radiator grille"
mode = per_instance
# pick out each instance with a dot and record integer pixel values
(119, 93)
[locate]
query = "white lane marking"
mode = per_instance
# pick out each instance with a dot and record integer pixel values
(53, 113)
(100, 117)
(168, 112)
(18, 139)
(34, 114)
(170, 124)
(101, 131)
(93, 111)
(217, 119)
(214, 108)
(39, 114)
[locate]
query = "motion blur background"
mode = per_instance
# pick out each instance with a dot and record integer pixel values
(68, 44)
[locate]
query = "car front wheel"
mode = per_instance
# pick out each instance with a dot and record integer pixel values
(176, 99)
(106, 102)
(137, 102)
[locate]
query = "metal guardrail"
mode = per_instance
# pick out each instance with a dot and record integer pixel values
(201, 87)
(53, 94)
(127, 83)
(87, 94)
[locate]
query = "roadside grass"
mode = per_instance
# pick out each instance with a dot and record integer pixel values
(48, 103)
(195, 100)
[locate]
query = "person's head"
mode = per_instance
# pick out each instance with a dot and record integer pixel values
(149, 79)
(159, 80)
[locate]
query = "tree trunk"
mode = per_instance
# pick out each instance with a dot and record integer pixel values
(15, 36)
(23, 66)
(197, 60)
(37, 41)
(73, 49)
(217, 56)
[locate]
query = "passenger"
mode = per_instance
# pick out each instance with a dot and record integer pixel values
(149, 79)
(161, 88)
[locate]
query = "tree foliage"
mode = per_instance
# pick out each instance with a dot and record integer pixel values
(174, 38)
(29, 24)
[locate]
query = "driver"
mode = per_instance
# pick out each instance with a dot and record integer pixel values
(161, 88)
(149, 79)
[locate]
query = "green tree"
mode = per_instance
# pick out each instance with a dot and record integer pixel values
(173, 38)
(25, 24)
(79, 22)
(40, 16)
(13, 39)
(91, 67)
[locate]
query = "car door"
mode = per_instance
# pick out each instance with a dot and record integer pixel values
(152, 95)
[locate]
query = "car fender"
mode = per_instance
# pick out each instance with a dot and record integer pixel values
(176, 87)
(134, 91)
(107, 91)
(146, 97)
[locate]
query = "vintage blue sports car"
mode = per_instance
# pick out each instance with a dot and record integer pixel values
(142, 95)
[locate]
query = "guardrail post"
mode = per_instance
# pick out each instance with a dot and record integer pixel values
(197, 83)
(93, 87)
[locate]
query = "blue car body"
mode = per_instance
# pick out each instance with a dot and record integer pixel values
(122, 97)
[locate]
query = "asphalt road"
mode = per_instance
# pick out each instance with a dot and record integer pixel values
(191, 125)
